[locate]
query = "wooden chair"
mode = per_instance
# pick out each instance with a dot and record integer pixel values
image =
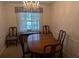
(56, 50)
(24, 46)
(46, 29)
(12, 36)
(61, 38)
(50, 51)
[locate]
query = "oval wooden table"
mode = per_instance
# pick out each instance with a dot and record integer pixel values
(36, 42)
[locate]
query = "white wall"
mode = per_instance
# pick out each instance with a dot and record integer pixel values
(65, 15)
(3, 27)
(46, 14)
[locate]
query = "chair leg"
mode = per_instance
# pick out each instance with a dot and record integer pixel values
(16, 43)
(31, 55)
(61, 54)
(23, 56)
(6, 43)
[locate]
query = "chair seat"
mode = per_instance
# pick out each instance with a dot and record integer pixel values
(12, 38)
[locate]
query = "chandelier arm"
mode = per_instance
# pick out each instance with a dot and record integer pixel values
(31, 4)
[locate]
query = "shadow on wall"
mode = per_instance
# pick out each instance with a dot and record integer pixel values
(71, 47)
(65, 47)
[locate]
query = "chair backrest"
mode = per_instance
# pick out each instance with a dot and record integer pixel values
(61, 37)
(12, 31)
(51, 49)
(46, 29)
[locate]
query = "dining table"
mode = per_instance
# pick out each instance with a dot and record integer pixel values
(36, 42)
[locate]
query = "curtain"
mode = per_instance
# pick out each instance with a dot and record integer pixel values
(28, 20)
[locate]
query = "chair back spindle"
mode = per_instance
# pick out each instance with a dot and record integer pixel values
(12, 31)
(61, 37)
(52, 52)
(46, 29)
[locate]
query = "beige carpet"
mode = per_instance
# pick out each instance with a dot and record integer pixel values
(12, 51)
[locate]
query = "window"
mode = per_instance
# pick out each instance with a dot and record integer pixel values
(29, 21)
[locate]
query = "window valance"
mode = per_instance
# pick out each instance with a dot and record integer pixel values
(21, 9)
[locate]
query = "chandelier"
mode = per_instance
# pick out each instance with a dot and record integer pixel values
(31, 4)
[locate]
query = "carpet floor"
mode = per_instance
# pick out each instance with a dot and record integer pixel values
(12, 52)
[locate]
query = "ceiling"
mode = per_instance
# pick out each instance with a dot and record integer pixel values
(46, 2)
(41, 2)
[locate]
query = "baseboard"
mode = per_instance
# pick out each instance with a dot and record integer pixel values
(75, 54)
